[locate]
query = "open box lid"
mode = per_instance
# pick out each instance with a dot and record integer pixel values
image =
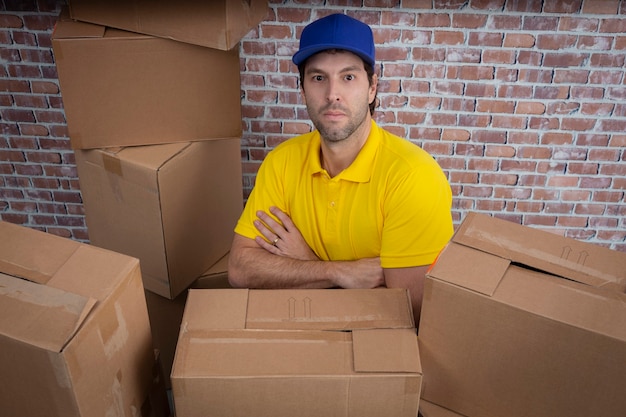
(50, 284)
(40, 315)
(521, 268)
(566, 257)
(214, 24)
(341, 309)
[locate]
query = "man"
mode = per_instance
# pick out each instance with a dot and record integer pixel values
(348, 205)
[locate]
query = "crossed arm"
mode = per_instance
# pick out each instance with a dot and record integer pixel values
(290, 263)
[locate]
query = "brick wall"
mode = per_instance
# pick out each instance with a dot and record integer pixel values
(523, 103)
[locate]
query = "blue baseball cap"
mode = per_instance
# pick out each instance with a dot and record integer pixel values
(336, 31)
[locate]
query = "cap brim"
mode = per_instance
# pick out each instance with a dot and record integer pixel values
(304, 54)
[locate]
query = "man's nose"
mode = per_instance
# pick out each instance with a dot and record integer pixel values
(333, 92)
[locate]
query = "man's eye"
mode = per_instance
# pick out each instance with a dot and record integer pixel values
(318, 78)
(349, 77)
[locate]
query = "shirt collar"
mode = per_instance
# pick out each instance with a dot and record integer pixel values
(360, 169)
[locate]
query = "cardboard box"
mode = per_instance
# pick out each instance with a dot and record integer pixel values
(217, 24)
(74, 333)
(428, 409)
(519, 322)
(124, 89)
(173, 206)
(297, 353)
(166, 315)
(158, 404)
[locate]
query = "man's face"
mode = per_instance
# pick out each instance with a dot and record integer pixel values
(337, 93)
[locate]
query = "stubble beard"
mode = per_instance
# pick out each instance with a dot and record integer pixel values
(335, 134)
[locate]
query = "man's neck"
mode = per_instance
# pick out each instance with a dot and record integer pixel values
(337, 156)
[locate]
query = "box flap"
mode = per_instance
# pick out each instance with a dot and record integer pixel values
(213, 24)
(386, 350)
(40, 315)
(215, 309)
(565, 301)
(583, 262)
(21, 257)
(151, 156)
(137, 164)
(470, 268)
(67, 28)
(341, 309)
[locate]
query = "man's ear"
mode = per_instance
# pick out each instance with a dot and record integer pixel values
(373, 87)
(302, 94)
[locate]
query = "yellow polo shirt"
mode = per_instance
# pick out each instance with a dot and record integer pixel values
(393, 202)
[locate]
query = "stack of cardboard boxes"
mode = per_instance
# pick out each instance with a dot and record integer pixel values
(515, 321)
(152, 98)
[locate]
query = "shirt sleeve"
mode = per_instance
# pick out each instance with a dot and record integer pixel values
(267, 191)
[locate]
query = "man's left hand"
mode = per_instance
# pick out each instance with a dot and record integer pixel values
(284, 238)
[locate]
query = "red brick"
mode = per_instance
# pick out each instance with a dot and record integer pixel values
(575, 195)
(485, 39)
(517, 165)
(541, 23)
(397, 18)
(463, 177)
(10, 21)
(597, 109)
(578, 124)
(523, 6)
(530, 107)
(551, 167)
(556, 42)
(434, 20)
(592, 140)
(519, 40)
(498, 179)
(578, 24)
(609, 197)
(448, 38)
(39, 22)
(437, 148)
(572, 221)
(613, 25)
(595, 182)
(554, 138)
(582, 168)
(592, 209)
(483, 165)
(455, 135)
(534, 152)
(490, 205)
(498, 57)
(480, 90)
(512, 193)
(559, 208)
(468, 21)
(539, 220)
(476, 120)
(458, 104)
(545, 195)
(418, 4)
(564, 59)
